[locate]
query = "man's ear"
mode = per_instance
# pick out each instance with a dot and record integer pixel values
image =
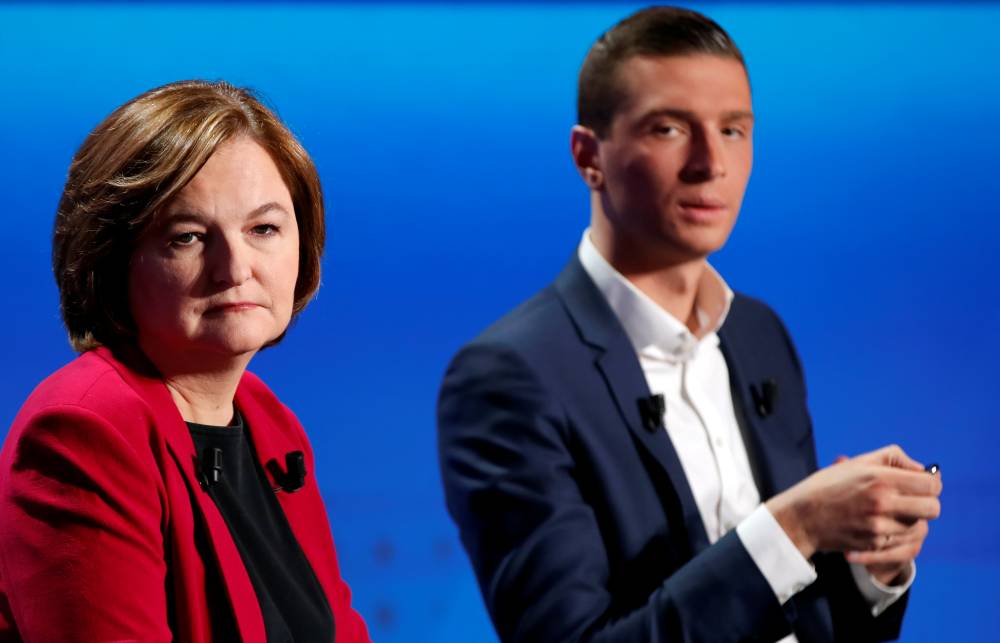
(585, 147)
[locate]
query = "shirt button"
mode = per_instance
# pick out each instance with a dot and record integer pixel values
(718, 442)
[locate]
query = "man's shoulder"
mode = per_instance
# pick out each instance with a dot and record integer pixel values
(535, 321)
(554, 320)
(748, 309)
(539, 339)
(756, 335)
(749, 316)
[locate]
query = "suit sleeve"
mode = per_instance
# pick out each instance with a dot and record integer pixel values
(851, 613)
(512, 483)
(81, 547)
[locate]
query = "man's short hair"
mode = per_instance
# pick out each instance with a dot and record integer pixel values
(131, 165)
(654, 31)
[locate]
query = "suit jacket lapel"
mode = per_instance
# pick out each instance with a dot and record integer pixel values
(169, 422)
(764, 437)
(747, 419)
(618, 365)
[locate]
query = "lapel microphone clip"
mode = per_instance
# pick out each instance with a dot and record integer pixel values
(651, 409)
(209, 467)
(764, 397)
(293, 477)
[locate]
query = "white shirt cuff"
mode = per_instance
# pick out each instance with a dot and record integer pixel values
(776, 556)
(880, 596)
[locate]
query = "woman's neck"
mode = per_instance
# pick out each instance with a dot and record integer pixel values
(203, 399)
(202, 387)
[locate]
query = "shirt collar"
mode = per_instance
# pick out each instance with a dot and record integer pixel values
(652, 330)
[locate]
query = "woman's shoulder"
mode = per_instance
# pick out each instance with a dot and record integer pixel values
(255, 397)
(94, 385)
(86, 414)
(266, 413)
(90, 380)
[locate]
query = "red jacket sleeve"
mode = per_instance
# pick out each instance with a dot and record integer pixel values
(81, 545)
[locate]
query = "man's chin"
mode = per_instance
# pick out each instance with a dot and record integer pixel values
(693, 249)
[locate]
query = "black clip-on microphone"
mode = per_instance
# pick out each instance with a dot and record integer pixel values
(651, 409)
(764, 397)
(293, 477)
(209, 467)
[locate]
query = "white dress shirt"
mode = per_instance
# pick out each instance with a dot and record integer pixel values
(689, 370)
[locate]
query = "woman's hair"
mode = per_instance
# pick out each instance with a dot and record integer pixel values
(132, 165)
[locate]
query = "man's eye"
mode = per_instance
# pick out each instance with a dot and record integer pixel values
(733, 132)
(666, 130)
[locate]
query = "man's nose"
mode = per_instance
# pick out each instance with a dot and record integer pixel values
(706, 158)
(230, 261)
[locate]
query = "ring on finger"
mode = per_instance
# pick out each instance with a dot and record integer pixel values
(888, 541)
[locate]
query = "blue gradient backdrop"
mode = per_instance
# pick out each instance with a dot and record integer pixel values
(441, 134)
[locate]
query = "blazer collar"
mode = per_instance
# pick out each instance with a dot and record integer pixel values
(139, 374)
(616, 360)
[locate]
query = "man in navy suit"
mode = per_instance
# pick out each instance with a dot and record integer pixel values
(628, 455)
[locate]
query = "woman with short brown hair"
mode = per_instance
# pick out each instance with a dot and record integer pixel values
(153, 489)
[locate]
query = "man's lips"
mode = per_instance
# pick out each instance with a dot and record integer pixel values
(703, 210)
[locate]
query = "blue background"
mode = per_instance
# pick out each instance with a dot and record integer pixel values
(441, 134)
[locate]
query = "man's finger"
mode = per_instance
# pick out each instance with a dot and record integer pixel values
(902, 547)
(893, 456)
(912, 483)
(920, 507)
(902, 553)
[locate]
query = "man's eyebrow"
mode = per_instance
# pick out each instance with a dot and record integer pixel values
(683, 114)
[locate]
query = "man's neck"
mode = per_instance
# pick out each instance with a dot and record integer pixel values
(671, 284)
(674, 288)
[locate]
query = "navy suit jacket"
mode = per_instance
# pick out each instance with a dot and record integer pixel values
(579, 521)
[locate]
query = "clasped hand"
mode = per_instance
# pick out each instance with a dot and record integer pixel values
(874, 508)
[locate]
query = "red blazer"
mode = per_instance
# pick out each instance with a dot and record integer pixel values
(105, 531)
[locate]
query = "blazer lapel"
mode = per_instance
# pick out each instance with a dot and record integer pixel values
(765, 438)
(169, 422)
(747, 419)
(618, 365)
(275, 435)
(269, 437)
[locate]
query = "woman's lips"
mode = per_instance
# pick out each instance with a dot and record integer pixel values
(235, 307)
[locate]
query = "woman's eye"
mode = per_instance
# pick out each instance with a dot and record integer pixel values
(265, 229)
(184, 239)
